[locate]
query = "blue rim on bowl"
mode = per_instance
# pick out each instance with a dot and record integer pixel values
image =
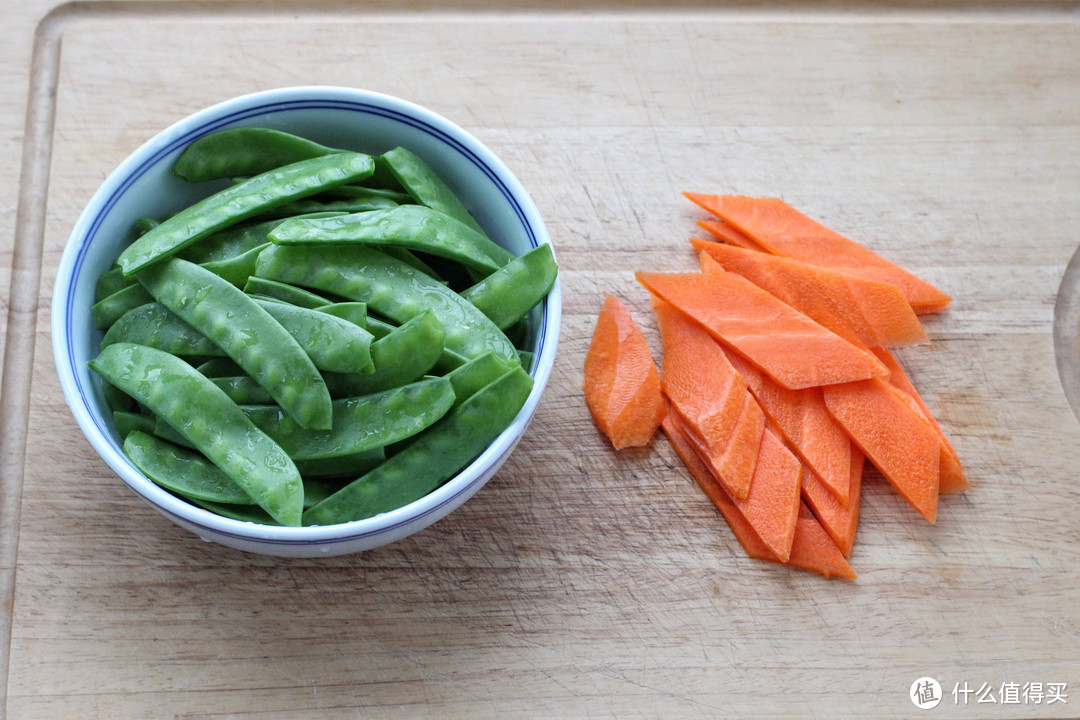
(72, 331)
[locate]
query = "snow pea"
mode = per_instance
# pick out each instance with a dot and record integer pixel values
(509, 294)
(284, 292)
(111, 281)
(354, 312)
(327, 206)
(338, 467)
(181, 470)
(425, 186)
(242, 390)
(232, 241)
(112, 307)
(127, 422)
(390, 287)
(413, 227)
(430, 459)
(400, 356)
(205, 416)
(238, 268)
(246, 333)
(332, 344)
(360, 191)
(156, 326)
(360, 423)
(476, 374)
(219, 367)
(241, 201)
(243, 151)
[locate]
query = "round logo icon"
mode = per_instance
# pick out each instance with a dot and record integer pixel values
(925, 693)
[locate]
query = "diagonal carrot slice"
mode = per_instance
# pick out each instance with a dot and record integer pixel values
(730, 234)
(805, 423)
(953, 479)
(622, 385)
(838, 521)
(811, 547)
(864, 312)
(893, 435)
(697, 378)
(793, 349)
(783, 230)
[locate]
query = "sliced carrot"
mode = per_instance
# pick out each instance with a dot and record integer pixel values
(894, 437)
(811, 547)
(783, 230)
(805, 423)
(838, 521)
(953, 479)
(697, 378)
(793, 349)
(863, 312)
(730, 234)
(738, 462)
(622, 385)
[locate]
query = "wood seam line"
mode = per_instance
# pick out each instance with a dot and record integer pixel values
(25, 287)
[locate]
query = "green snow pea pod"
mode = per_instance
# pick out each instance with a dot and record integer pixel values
(475, 375)
(401, 356)
(244, 151)
(111, 281)
(127, 422)
(284, 292)
(360, 423)
(232, 241)
(430, 459)
(354, 312)
(321, 206)
(340, 466)
(219, 367)
(361, 191)
(413, 227)
(242, 390)
(117, 399)
(241, 201)
(389, 287)
(246, 333)
(509, 294)
(111, 308)
(214, 424)
(425, 186)
(243, 513)
(238, 268)
(156, 326)
(181, 470)
(333, 344)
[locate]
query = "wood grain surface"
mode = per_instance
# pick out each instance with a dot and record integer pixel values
(581, 582)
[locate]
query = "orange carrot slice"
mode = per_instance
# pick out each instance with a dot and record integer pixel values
(811, 546)
(838, 521)
(953, 479)
(894, 436)
(622, 385)
(793, 349)
(805, 423)
(783, 230)
(864, 312)
(738, 462)
(730, 234)
(697, 379)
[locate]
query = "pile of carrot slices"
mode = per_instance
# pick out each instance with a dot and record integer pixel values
(777, 384)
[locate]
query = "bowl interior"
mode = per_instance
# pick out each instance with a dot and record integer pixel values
(144, 185)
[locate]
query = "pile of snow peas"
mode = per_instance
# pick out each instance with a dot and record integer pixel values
(330, 337)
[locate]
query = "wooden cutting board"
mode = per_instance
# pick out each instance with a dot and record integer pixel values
(582, 582)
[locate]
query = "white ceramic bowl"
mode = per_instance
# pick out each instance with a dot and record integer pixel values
(143, 185)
